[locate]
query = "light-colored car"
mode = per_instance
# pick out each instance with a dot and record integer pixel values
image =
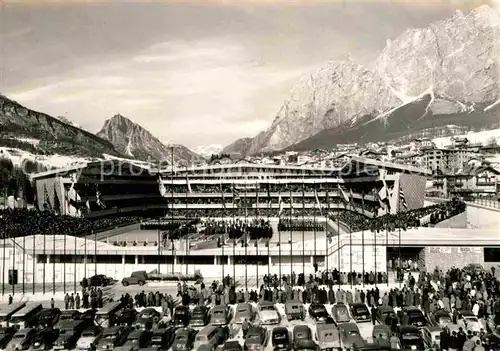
(89, 338)
(21, 340)
(468, 321)
(244, 311)
(267, 314)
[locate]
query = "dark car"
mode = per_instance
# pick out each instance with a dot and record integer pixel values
(89, 316)
(69, 333)
(255, 338)
(147, 318)
(413, 316)
(6, 335)
(48, 317)
(162, 338)
(45, 339)
(181, 316)
(318, 311)
(340, 313)
(281, 339)
(232, 346)
(223, 333)
(305, 345)
(301, 332)
(112, 337)
(99, 280)
(200, 316)
(127, 317)
(184, 339)
(69, 315)
(439, 318)
(220, 315)
(138, 339)
(360, 313)
(383, 312)
(410, 338)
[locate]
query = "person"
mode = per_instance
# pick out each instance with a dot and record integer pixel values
(244, 327)
(374, 314)
(52, 303)
(478, 346)
(10, 299)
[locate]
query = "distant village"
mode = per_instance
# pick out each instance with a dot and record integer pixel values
(465, 169)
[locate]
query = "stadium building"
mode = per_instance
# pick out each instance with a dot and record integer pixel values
(238, 192)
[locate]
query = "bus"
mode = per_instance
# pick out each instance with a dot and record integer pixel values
(106, 316)
(6, 313)
(26, 317)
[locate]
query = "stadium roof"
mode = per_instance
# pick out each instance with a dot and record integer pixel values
(389, 165)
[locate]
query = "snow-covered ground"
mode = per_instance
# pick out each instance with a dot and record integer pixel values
(18, 156)
(208, 150)
(484, 138)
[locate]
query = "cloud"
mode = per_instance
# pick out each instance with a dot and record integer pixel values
(188, 92)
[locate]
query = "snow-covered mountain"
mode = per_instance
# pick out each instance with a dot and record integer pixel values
(486, 137)
(425, 77)
(134, 141)
(208, 150)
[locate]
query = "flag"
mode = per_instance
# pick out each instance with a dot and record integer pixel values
(161, 187)
(98, 197)
(280, 203)
(46, 200)
(317, 202)
(187, 183)
(291, 202)
(87, 204)
(236, 193)
(384, 192)
(402, 200)
(344, 194)
(57, 203)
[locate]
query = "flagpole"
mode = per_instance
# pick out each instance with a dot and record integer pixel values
(314, 223)
(24, 263)
(291, 236)
(351, 204)
(13, 264)
(53, 264)
(186, 251)
(44, 262)
(246, 240)
(223, 262)
(363, 235)
(326, 234)
(234, 240)
(33, 262)
(279, 234)
(338, 235)
(258, 238)
(172, 205)
(64, 264)
(3, 263)
(303, 228)
(74, 266)
(386, 245)
(268, 208)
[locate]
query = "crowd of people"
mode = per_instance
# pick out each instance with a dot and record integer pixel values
(291, 224)
(403, 219)
(22, 222)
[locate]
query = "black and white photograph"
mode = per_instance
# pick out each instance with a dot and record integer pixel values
(249, 175)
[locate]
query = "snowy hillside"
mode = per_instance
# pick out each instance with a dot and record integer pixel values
(485, 137)
(19, 157)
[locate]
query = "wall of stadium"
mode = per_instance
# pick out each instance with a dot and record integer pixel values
(359, 257)
(413, 187)
(448, 257)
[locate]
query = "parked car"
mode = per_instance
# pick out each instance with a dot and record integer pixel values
(318, 311)
(6, 334)
(69, 333)
(220, 315)
(340, 313)
(146, 318)
(294, 309)
(162, 338)
(410, 338)
(181, 316)
(281, 339)
(232, 345)
(268, 314)
(468, 321)
(381, 331)
(112, 337)
(48, 317)
(439, 318)
(100, 280)
(432, 336)
(200, 316)
(412, 316)
(256, 338)
(305, 345)
(328, 336)
(301, 332)
(127, 317)
(89, 338)
(22, 339)
(244, 311)
(349, 334)
(360, 313)
(138, 339)
(184, 339)
(45, 339)
(69, 315)
(383, 312)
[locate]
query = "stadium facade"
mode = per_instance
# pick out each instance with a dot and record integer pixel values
(236, 192)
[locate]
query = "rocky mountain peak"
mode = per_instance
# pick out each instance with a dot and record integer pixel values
(454, 62)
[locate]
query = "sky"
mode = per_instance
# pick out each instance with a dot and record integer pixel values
(195, 73)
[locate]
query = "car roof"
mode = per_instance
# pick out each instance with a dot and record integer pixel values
(466, 313)
(111, 329)
(280, 330)
(149, 309)
(265, 303)
(358, 304)
(349, 326)
(219, 307)
(434, 329)
(201, 308)
(136, 333)
(301, 328)
(243, 305)
(385, 309)
(408, 328)
(411, 308)
(442, 313)
(326, 327)
(294, 302)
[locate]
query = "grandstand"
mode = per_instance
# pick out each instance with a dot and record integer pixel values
(242, 219)
(116, 188)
